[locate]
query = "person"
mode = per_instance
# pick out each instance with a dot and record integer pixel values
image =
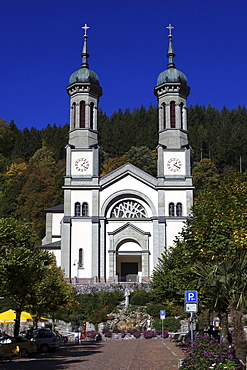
(98, 337)
(212, 332)
(76, 336)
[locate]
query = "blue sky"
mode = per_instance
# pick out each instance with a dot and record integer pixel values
(41, 45)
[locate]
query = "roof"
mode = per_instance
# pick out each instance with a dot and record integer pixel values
(58, 209)
(54, 245)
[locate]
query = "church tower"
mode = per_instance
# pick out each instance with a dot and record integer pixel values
(82, 160)
(172, 91)
(84, 91)
(175, 190)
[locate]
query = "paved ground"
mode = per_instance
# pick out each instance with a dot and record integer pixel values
(141, 354)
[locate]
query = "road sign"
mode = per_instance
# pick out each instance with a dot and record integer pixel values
(191, 307)
(191, 296)
(162, 314)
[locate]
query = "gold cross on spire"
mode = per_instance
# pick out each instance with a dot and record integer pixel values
(170, 30)
(85, 27)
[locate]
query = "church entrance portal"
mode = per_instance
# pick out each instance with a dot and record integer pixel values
(129, 262)
(129, 270)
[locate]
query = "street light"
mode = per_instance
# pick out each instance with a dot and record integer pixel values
(76, 263)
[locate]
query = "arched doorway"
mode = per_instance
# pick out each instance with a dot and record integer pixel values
(129, 262)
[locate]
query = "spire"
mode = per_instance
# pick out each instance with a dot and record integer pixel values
(171, 55)
(84, 53)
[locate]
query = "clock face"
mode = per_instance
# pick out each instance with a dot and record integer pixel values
(174, 164)
(81, 164)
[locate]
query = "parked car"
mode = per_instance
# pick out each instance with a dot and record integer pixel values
(60, 338)
(45, 339)
(18, 346)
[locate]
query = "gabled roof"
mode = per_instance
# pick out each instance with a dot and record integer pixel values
(54, 245)
(58, 209)
(125, 170)
(130, 226)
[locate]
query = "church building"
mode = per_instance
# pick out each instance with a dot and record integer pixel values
(114, 228)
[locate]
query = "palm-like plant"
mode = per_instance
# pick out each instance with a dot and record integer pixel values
(225, 285)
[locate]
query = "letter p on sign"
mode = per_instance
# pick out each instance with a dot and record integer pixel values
(190, 296)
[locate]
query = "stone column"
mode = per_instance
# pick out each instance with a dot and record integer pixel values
(161, 113)
(145, 265)
(87, 115)
(178, 116)
(185, 117)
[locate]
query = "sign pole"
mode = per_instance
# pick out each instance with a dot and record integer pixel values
(162, 332)
(191, 326)
(162, 317)
(191, 306)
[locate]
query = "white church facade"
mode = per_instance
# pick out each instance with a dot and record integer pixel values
(114, 228)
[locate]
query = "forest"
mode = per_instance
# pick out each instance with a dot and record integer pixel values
(32, 161)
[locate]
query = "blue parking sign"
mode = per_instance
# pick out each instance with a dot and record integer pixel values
(191, 296)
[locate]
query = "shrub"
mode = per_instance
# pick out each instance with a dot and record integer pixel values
(153, 309)
(148, 334)
(109, 298)
(108, 334)
(140, 298)
(91, 334)
(137, 334)
(165, 334)
(97, 316)
(170, 324)
(207, 353)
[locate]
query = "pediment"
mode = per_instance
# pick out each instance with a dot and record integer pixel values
(129, 229)
(128, 169)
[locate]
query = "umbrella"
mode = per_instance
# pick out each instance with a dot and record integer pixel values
(10, 316)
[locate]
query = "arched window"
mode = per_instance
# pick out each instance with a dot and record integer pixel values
(73, 115)
(84, 209)
(80, 258)
(179, 209)
(128, 209)
(172, 114)
(91, 115)
(171, 209)
(82, 114)
(164, 115)
(181, 115)
(77, 209)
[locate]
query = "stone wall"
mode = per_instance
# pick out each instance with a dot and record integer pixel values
(93, 288)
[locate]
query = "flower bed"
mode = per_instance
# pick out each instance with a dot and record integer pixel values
(207, 353)
(130, 334)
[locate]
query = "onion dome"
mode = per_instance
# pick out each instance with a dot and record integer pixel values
(84, 74)
(171, 74)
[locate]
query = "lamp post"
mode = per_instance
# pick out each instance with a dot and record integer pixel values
(76, 263)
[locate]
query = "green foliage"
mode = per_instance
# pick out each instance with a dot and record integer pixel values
(219, 224)
(97, 316)
(6, 304)
(140, 297)
(14, 233)
(170, 276)
(109, 298)
(153, 309)
(143, 158)
(92, 307)
(171, 324)
(22, 269)
(52, 293)
(205, 176)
